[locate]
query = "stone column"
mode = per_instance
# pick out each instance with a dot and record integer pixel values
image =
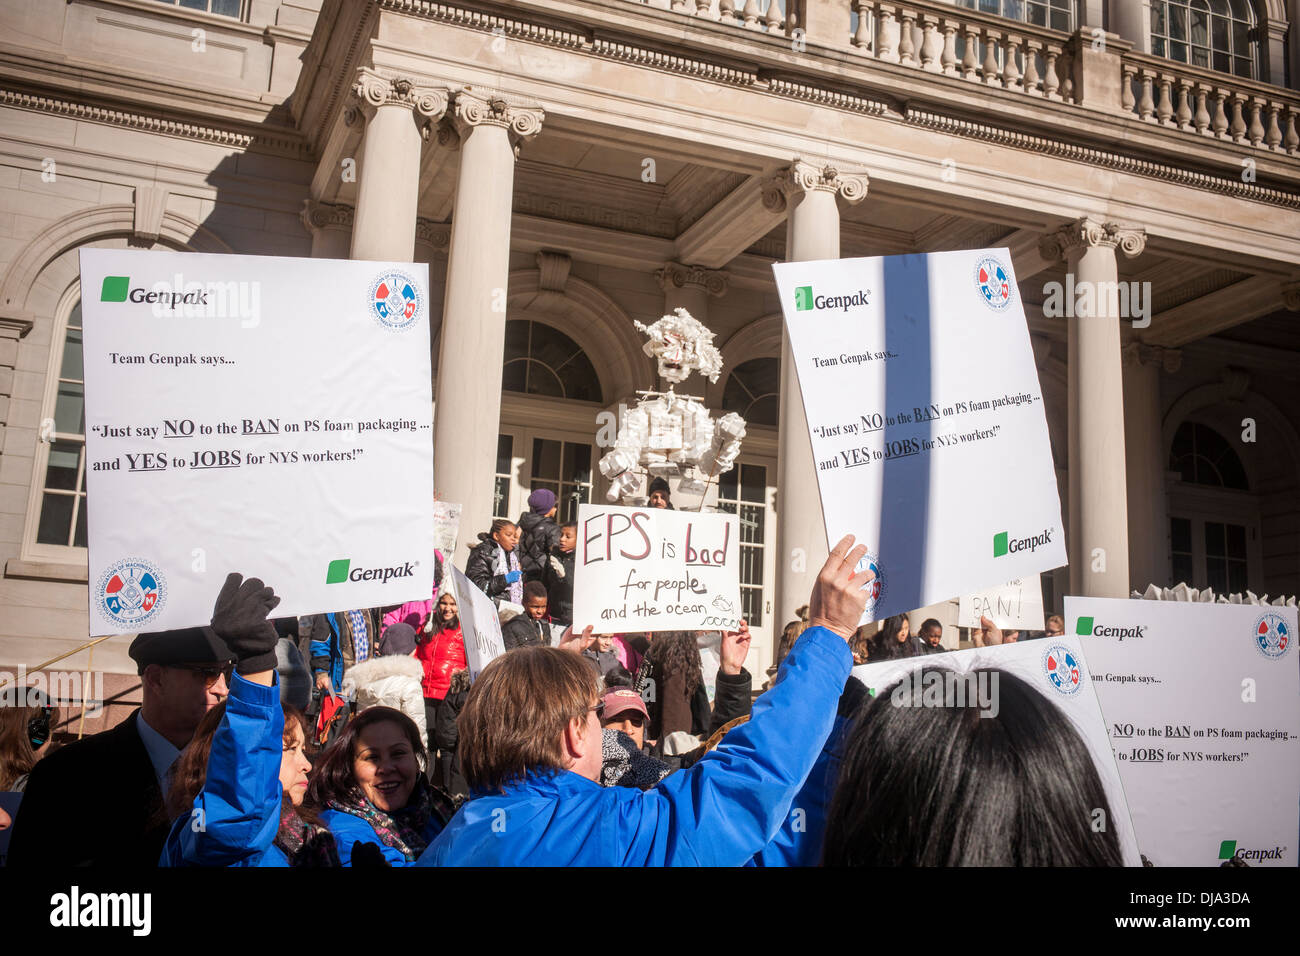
(330, 225)
(399, 116)
(807, 193)
(690, 288)
(1144, 454)
(491, 127)
(1098, 544)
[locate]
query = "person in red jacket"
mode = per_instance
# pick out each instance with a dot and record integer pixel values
(441, 653)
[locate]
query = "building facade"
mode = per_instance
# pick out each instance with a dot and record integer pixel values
(566, 167)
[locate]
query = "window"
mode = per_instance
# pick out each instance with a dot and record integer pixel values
(743, 492)
(1183, 561)
(540, 360)
(1225, 557)
(63, 486)
(222, 8)
(505, 470)
(753, 391)
(565, 468)
(1203, 457)
(1054, 14)
(1214, 34)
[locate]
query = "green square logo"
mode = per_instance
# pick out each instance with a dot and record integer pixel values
(999, 544)
(1084, 627)
(1227, 849)
(803, 298)
(338, 571)
(115, 288)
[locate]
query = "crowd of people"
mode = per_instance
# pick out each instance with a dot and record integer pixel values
(357, 738)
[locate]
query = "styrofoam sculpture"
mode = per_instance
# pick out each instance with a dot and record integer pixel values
(671, 435)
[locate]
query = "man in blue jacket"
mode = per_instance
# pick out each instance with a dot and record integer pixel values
(531, 751)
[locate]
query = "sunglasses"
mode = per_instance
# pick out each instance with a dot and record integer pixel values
(599, 709)
(211, 672)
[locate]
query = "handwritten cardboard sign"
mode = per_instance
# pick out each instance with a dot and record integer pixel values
(1017, 603)
(650, 569)
(478, 623)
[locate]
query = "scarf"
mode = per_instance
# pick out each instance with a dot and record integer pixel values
(624, 765)
(403, 830)
(504, 564)
(360, 635)
(303, 843)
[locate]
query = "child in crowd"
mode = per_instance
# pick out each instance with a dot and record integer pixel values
(559, 576)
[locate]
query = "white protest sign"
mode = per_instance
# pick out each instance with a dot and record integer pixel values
(255, 414)
(1016, 604)
(478, 624)
(926, 419)
(651, 569)
(1203, 706)
(446, 529)
(1055, 669)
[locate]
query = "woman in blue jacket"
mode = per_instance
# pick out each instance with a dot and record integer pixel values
(531, 750)
(236, 792)
(370, 787)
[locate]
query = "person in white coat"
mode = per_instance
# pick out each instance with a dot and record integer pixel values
(393, 679)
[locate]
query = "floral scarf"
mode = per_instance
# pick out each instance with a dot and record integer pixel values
(403, 830)
(505, 563)
(305, 844)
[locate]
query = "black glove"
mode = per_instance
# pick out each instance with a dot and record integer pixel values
(368, 856)
(240, 619)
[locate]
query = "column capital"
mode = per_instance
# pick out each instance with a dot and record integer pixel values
(674, 275)
(325, 215)
(1088, 233)
(1291, 295)
(371, 90)
(1137, 354)
(433, 233)
(476, 106)
(803, 176)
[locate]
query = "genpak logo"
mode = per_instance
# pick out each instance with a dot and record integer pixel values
(804, 299)
(1087, 627)
(1003, 543)
(1228, 851)
(340, 570)
(115, 289)
(1272, 635)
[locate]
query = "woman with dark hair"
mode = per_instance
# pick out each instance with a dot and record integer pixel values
(235, 796)
(442, 653)
(27, 716)
(948, 786)
(493, 563)
(894, 640)
(670, 682)
(370, 787)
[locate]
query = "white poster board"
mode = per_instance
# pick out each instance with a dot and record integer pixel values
(926, 418)
(650, 569)
(479, 624)
(1057, 670)
(446, 530)
(1016, 604)
(255, 414)
(1202, 702)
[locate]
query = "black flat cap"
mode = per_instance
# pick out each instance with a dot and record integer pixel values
(187, 645)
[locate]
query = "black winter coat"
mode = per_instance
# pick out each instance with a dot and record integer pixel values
(95, 802)
(559, 590)
(446, 734)
(523, 631)
(480, 568)
(538, 537)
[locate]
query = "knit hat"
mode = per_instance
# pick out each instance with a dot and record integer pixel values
(541, 501)
(398, 640)
(659, 484)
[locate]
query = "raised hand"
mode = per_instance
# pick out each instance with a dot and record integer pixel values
(577, 642)
(240, 619)
(838, 598)
(735, 646)
(987, 634)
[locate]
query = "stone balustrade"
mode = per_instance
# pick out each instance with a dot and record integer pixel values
(1216, 105)
(940, 38)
